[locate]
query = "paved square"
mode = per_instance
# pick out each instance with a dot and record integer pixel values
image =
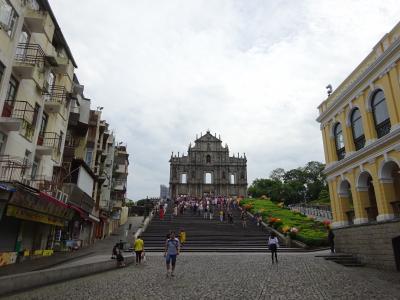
(230, 276)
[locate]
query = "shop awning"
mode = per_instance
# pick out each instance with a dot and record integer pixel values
(79, 211)
(94, 218)
(7, 187)
(52, 199)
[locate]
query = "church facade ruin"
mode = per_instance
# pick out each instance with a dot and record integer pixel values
(208, 170)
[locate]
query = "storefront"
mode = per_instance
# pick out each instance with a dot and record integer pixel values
(31, 222)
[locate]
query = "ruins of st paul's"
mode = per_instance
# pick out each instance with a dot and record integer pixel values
(208, 169)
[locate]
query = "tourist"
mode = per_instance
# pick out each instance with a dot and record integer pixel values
(138, 248)
(273, 245)
(176, 211)
(182, 236)
(205, 216)
(230, 217)
(221, 215)
(211, 211)
(172, 249)
(331, 240)
(243, 217)
(115, 251)
(161, 213)
(120, 258)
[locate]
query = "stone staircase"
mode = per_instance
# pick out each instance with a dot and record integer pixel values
(347, 260)
(208, 235)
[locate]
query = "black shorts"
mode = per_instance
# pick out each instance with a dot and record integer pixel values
(273, 248)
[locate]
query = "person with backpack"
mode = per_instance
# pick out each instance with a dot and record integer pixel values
(273, 245)
(172, 249)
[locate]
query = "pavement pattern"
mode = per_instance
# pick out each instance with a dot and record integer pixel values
(229, 276)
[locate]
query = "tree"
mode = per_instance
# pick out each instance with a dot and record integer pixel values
(277, 174)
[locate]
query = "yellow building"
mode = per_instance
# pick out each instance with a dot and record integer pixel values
(360, 124)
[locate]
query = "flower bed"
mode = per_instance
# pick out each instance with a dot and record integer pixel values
(294, 224)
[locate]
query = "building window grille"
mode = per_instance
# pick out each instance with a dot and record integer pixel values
(358, 130)
(339, 139)
(381, 115)
(8, 17)
(12, 89)
(208, 178)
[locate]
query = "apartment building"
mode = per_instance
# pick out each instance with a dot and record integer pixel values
(56, 154)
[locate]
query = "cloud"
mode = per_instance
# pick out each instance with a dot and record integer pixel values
(252, 71)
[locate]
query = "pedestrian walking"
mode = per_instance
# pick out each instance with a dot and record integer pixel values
(182, 236)
(172, 249)
(331, 240)
(273, 245)
(243, 217)
(139, 249)
(211, 212)
(221, 215)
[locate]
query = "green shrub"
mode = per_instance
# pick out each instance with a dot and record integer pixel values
(311, 232)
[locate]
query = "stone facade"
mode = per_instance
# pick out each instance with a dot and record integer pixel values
(208, 169)
(372, 243)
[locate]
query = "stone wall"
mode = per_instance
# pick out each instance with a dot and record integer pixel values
(371, 242)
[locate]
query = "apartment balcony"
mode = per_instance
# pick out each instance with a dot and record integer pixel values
(38, 21)
(29, 63)
(58, 62)
(55, 97)
(119, 185)
(13, 168)
(121, 169)
(117, 203)
(18, 116)
(48, 143)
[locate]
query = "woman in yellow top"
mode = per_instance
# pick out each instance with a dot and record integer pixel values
(182, 236)
(139, 248)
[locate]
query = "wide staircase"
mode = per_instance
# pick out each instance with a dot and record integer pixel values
(208, 235)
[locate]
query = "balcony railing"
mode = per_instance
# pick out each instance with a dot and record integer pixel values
(383, 128)
(13, 168)
(341, 153)
(55, 94)
(31, 54)
(24, 111)
(50, 140)
(359, 142)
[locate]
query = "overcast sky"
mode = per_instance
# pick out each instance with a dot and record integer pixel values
(252, 71)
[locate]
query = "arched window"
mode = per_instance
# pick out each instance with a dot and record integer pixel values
(208, 178)
(208, 159)
(184, 178)
(358, 130)
(381, 115)
(339, 139)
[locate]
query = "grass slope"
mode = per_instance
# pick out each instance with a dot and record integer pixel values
(311, 232)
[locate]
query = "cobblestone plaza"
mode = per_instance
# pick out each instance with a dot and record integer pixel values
(230, 276)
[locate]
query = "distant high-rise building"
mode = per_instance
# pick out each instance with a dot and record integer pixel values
(164, 192)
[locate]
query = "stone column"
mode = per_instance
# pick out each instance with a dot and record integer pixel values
(368, 123)
(339, 207)
(385, 194)
(361, 201)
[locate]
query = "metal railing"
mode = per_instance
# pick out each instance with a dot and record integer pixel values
(55, 93)
(24, 111)
(13, 168)
(50, 139)
(383, 128)
(316, 212)
(359, 142)
(31, 54)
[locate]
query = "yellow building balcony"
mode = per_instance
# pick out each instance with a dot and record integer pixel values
(39, 21)
(55, 97)
(58, 63)
(48, 143)
(29, 63)
(18, 116)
